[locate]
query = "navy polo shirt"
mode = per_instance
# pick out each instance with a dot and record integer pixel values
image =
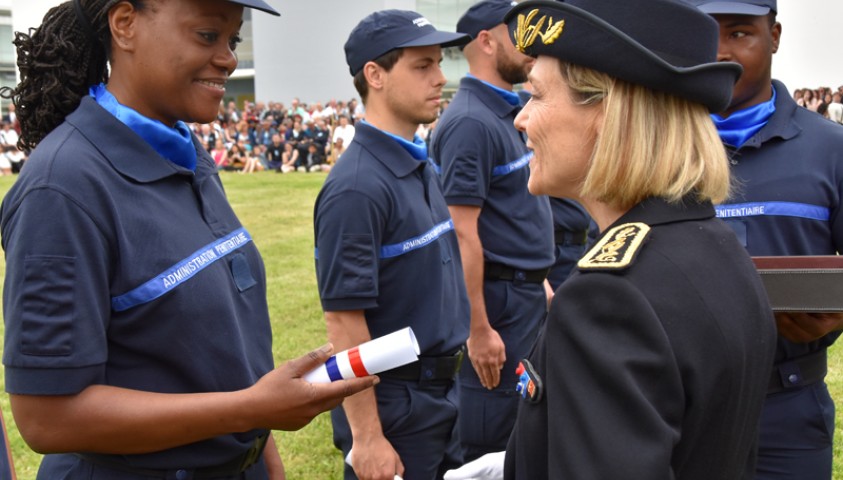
(125, 269)
(484, 162)
(569, 215)
(787, 201)
(385, 244)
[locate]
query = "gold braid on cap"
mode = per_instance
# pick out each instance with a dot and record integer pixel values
(526, 33)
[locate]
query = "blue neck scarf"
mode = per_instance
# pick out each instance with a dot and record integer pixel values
(174, 144)
(511, 98)
(743, 124)
(417, 148)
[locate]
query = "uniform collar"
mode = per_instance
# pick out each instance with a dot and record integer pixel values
(783, 122)
(127, 152)
(383, 147)
(488, 96)
(658, 211)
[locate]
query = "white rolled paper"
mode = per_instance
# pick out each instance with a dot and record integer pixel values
(370, 358)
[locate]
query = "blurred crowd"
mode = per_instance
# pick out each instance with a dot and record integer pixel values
(273, 136)
(823, 100)
(311, 137)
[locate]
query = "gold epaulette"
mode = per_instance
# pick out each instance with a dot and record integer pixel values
(617, 249)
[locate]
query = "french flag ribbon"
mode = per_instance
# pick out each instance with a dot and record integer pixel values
(346, 364)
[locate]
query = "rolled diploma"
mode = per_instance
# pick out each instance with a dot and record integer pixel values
(375, 356)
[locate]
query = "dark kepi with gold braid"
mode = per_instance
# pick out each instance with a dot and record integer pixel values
(672, 48)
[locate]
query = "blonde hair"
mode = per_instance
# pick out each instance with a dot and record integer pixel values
(651, 144)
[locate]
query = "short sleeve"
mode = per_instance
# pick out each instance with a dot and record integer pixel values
(56, 298)
(348, 229)
(465, 154)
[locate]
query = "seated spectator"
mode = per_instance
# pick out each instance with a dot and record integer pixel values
(289, 159)
(219, 154)
(274, 153)
(835, 108)
(236, 156)
(321, 134)
(9, 149)
(314, 159)
(336, 151)
(345, 131)
(251, 161)
(207, 135)
(5, 165)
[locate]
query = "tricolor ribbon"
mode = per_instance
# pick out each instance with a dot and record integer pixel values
(375, 356)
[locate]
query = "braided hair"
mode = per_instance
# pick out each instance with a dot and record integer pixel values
(58, 62)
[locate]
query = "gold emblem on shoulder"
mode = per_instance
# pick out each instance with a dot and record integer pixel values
(526, 33)
(617, 248)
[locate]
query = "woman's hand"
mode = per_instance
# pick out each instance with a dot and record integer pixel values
(282, 400)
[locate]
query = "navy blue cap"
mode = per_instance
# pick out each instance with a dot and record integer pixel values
(386, 30)
(672, 49)
(257, 4)
(736, 7)
(484, 15)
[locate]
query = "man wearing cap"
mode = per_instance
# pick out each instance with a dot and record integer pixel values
(505, 234)
(787, 162)
(388, 258)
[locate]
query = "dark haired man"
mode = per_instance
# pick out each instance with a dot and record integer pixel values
(505, 233)
(788, 163)
(387, 256)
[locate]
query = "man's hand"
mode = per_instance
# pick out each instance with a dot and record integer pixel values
(487, 353)
(802, 327)
(375, 459)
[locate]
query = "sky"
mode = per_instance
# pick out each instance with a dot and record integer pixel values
(809, 55)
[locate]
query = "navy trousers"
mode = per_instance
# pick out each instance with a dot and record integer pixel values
(797, 430)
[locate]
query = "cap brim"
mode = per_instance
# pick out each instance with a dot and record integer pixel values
(258, 5)
(733, 8)
(443, 39)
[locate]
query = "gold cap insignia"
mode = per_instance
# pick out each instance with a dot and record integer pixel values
(526, 33)
(617, 248)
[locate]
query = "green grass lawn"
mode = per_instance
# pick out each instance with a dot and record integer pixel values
(277, 210)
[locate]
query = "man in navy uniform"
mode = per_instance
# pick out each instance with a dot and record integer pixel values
(505, 233)
(388, 258)
(788, 162)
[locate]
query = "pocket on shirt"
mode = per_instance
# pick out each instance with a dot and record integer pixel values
(242, 272)
(48, 305)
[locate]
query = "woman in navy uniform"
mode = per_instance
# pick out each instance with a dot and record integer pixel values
(138, 342)
(655, 357)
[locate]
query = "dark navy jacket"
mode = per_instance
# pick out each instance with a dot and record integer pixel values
(654, 366)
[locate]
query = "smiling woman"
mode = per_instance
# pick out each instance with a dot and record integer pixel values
(136, 318)
(640, 365)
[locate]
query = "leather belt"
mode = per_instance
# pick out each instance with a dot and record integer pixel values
(570, 238)
(428, 369)
(799, 372)
(499, 271)
(232, 468)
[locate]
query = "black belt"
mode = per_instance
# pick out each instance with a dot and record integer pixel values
(570, 238)
(499, 271)
(799, 372)
(428, 369)
(232, 468)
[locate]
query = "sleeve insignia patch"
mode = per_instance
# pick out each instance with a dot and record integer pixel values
(616, 249)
